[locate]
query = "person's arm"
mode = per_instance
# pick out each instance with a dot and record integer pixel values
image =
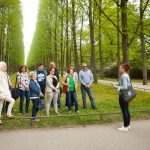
(91, 78)
(124, 84)
(64, 81)
(80, 78)
(49, 82)
(34, 88)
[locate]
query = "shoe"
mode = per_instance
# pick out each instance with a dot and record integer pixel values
(10, 116)
(69, 111)
(58, 114)
(129, 127)
(36, 120)
(123, 129)
(77, 112)
(94, 107)
(1, 123)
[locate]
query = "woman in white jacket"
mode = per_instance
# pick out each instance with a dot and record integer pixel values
(5, 94)
(52, 89)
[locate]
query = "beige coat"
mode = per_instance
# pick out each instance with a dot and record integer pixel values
(49, 84)
(4, 87)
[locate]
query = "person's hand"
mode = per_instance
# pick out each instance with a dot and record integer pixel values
(118, 89)
(41, 94)
(87, 86)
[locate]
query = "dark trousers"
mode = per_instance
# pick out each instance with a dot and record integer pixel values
(24, 94)
(35, 107)
(72, 97)
(125, 111)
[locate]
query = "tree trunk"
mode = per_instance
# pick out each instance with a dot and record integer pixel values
(100, 43)
(144, 63)
(55, 39)
(61, 44)
(91, 24)
(124, 30)
(67, 36)
(118, 37)
(76, 63)
(81, 56)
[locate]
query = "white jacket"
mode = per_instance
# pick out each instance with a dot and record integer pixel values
(49, 84)
(4, 86)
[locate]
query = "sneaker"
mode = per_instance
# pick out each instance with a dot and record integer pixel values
(129, 127)
(77, 111)
(10, 116)
(36, 120)
(123, 129)
(69, 111)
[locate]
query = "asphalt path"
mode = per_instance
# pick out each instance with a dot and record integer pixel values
(95, 137)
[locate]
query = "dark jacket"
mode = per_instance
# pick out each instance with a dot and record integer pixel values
(34, 89)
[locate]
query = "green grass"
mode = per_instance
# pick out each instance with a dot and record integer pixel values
(106, 99)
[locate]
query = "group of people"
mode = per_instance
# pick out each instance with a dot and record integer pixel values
(42, 84)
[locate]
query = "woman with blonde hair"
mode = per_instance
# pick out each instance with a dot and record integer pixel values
(5, 94)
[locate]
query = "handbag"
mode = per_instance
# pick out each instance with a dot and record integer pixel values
(65, 89)
(15, 91)
(128, 94)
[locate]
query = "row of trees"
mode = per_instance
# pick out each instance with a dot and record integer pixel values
(101, 33)
(11, 37)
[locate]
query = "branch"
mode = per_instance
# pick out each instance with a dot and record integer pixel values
(107, 17)
(138, 24)
(117, 3)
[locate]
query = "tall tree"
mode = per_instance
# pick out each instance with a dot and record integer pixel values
(144, 63)
(91, 24)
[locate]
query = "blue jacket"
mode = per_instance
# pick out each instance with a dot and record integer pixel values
(34, 88)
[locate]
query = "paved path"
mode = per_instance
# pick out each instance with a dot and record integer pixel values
(138, 86)
(97, 137)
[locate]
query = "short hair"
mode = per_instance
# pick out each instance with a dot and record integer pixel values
(31, 73)
(22, 67)
(84, 64)
(52, 63)
(2, 63)
(41, 64)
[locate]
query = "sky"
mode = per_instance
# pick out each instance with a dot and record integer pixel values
(29, 11)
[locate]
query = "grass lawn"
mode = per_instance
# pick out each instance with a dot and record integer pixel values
(106, 99)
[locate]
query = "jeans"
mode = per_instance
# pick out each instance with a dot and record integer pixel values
(125, 112)
(89, 92)
(35, 107)
(71, 96)
(25, 94)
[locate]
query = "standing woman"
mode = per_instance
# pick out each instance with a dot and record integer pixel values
(52, 89)
(71, 95)
(5, 94)
(124, 83)
(23, 81)
(35, 93)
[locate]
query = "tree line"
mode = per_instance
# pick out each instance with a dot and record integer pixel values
(11, 36)
(102, 33)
